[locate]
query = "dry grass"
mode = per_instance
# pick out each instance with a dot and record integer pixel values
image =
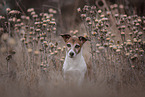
(32, 55)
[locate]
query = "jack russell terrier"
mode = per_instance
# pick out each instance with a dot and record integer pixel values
(74, 67)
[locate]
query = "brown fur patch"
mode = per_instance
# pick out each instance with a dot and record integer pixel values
(74, 41)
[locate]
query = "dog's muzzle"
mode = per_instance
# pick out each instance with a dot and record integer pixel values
(71, 54)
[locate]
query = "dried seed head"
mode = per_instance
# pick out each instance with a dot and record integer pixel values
(41, 65)
(23, 17)
(134, 57)
(136, 49)
(64, 47)
(37, 30)
(109, 33)
(143, 42)
(118, 50)
(132, 66)
(99, 11)
(105, 44)
(44, 25)
(36, 52)
(29, 50)
(115, 5)
(130, 33)
(52, 53)
(83, 15)
(97, 51)
(137, 24)
(116, 15)
(96, 20)
(22, 39)
(144, 28)
(127, 54)
(51, 45)
(59, 48)
(112, 6)
(110, 46)
(101, 48)
(108, 39)
(114, 47)
(123, 26)
(129, 43)
(139, 40)
(94, 33)
(25, 42)
(50, 10)
(93, 7)
(11, 41)
(89, 24)
(75, 32)
(33, 13)
(54, 28)
(102, 16)
(120, 47)
(41, 39)
(44, 34)
(121, 6)
(3, 49)
(30, 10)
(5, 36)
(111, 41)
(139, 20)
(1, 29)
(108, 13)
(14, 12)
(122, 33)
(131, 51)
(52, 23)
(28, 18)
(62, 60)
(8, 9)
(55, 52)
(2, 17)
(44, 42)
(79, 10)
(140, 33)
(112, 35)
(85, 35)
(128, 40)
(88, 19)
(97, 45)
(30, 33)
(141, 51)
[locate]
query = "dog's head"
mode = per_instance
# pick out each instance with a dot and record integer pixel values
(74, 44)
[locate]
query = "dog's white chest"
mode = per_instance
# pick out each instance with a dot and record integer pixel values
(74, 68)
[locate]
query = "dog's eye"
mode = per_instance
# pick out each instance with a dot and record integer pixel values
(68, 45)
(77, 46)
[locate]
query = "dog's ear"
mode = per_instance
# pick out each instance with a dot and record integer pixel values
(82, 39)
(65, 37)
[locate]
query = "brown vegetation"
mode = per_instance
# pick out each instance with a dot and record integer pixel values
(32, 54)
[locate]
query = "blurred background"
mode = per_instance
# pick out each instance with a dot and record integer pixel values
(67, 8)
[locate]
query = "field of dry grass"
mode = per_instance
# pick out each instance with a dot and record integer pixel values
(32, 54)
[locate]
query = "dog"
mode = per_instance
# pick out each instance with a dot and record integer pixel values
(74, 67)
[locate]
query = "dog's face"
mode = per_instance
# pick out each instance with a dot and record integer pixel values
(74, 44)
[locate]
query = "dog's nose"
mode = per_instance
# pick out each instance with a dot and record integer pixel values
(71, 54)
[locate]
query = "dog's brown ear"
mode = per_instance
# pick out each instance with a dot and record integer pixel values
(65, 37)
(82, 39)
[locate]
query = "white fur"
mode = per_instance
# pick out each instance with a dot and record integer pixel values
(74, 68)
